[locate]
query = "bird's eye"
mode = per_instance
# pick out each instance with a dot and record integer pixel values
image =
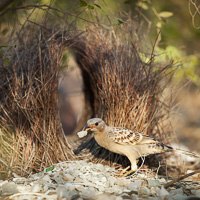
(96, 124)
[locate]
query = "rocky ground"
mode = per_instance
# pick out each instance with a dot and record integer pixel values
(82, 180)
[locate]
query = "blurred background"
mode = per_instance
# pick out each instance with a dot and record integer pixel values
(172, 28)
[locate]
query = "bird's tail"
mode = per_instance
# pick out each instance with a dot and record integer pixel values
(187, 153)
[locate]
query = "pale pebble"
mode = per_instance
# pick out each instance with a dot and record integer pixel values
(177, 191)
(197, 193)
(179, 197)
(67, 177)
(62, 192)
(9, 188)
(119, 198)
(36, 188)
(144, 191)
(134, 185)
(87, 194)
(105, 197)
(153, 183)
(45, 179)
(103, 180)
(163, 193)
(58, 178)
(25, 197)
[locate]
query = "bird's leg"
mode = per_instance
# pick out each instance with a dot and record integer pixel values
(124, 170)
(127, 173)
(119, 173)
(133, 169)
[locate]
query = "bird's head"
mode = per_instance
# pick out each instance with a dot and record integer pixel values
(94, 125)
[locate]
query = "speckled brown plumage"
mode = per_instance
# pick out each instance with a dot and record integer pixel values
(126, 142)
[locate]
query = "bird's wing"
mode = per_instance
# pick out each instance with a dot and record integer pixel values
(125, 136)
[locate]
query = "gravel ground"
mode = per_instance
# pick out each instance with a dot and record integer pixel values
(82, 180)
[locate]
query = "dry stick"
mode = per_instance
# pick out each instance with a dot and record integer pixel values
(181, 178)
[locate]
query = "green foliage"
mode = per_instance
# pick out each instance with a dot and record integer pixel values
(119, 21)
(89, 6)
(187, 64)
(50, 168)
(165, 14)
(83, 3)
(143, 5)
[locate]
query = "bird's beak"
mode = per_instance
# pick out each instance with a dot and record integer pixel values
(87, 127)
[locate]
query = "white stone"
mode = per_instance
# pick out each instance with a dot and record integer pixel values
(58, 178)
(9, 188)
(62, 192)
(153, 183)
(87, 194)
(125, 190)
(163, 193)
(68, 177)
(134, 185)
(193, 191)
(100, 167)
(117, 189)
(144, 190)
(134, 197)
(3, 182)
(111, 180)
(69, 186)
(153, 191)
(108, 190)
(177, 191)
(85, 169)
(162, 180)
(122, 182)
(22, 188)
(105, 197)
(25, 197)
(103, 179)
(19, 180)
(82, 134)
(73, 194)
(101, 188)
(45, 179)
(197, 193)
(51, 197)
(119, 198)
(36, 188)
(45, 188)
(179, 197)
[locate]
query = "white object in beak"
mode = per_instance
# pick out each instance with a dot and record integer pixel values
(82, 134)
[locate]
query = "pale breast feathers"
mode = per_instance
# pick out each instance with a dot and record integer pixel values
(125, 136)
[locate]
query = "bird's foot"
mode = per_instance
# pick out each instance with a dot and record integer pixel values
(124, 172)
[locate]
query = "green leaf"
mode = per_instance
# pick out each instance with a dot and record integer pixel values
(165, 14)
(119, 21)
(6, 62)
(90, 6)
(64, 58)
(50, 168)
(142, 5)
(4, 48)
(127, 1)
(97, 5)
(83, 3)
(159, 25)
(5, 31)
